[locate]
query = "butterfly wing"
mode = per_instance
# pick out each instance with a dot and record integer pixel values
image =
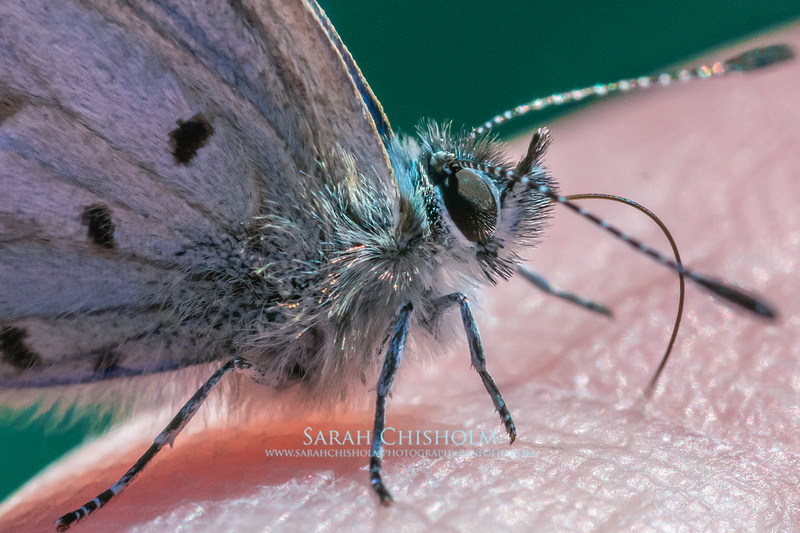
(129, 134)
(372, 103)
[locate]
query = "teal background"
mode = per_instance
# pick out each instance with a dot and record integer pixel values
(467, 61)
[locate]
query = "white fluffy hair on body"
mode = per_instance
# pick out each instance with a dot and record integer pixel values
(313, 292)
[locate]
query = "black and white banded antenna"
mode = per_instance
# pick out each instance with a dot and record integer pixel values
(752, 304)
(754, 59)
(738, 297)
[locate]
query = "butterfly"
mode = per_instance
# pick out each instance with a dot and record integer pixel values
(178, 232)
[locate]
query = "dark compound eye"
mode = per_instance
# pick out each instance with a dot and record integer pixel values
(471, 203)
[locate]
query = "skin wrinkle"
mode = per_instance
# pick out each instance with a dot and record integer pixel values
(716, 449)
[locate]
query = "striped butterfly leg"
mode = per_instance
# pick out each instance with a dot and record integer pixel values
(478, 357)
(391, 363)
(543, 285)
(167, 436)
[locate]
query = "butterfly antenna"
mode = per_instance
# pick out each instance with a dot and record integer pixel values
(754, 59)
(539, 142)
(648, 391)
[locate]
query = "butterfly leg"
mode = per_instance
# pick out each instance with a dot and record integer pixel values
(390, 365)
(167, 436)
(543, 285)
(479, 358)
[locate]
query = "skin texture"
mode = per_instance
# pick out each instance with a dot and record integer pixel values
(715, 449)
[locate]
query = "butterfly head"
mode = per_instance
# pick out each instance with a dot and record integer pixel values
(469, 195)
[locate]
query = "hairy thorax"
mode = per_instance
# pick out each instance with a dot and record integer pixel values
(312, 288)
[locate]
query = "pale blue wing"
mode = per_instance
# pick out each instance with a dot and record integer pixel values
(102, 216)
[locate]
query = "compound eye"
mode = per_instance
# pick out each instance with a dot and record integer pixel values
(471, 203)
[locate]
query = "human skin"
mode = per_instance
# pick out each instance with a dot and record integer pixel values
(715, 449)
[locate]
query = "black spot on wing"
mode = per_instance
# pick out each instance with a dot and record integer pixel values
(10, 104)
(101, 229)
(14, 351)
(189, 137)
